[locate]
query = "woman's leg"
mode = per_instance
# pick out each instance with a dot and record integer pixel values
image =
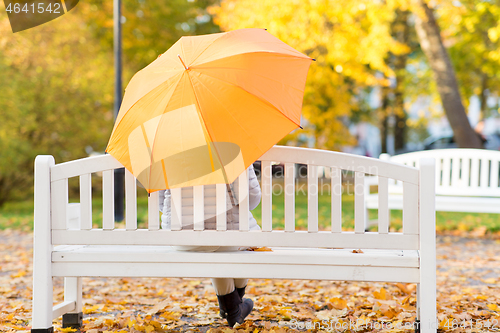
(223, 286)
(232, 306)
(240, 283)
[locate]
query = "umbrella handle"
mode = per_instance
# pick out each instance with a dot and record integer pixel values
(231, 195)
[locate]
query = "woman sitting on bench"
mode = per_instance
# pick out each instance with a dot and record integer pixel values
(229, 291)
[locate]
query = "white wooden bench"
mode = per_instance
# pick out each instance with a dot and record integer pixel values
(66, 244)
(467, 180)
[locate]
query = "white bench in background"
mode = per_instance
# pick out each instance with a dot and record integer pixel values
(66, 244)
(467, 180)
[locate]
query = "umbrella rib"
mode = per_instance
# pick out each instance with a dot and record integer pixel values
(206, 130)
(298, 56)
(206, 48)
(126, 112)
(156, 133)
(239, 69)
(229, 113)
(249, 93)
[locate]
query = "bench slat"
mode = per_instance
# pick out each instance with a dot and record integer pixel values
(383, 201)
(289, 191)
(446, 172)
(312, 198)
(59, 202)
(466, 164)
(485, 173)
(494, 174)
(85, 165)
(359, 202)
(153, 212)
(243, 201)
(455, 171)
(86, 201)
(336, 198)
(278, 238)
(267, 195)
(130, 201)
(244, 271)
(304, 256)
(410, 209)
(474, 172)
(221, 206)
(343, 161)
(198, 208)
(176, 209)
(108, 200)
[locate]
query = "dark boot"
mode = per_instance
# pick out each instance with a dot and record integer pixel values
(235, 308)
(241, 292)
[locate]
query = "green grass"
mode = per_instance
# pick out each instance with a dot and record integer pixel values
(19, 215)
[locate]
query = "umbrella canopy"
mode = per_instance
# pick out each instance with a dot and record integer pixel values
(208, 108)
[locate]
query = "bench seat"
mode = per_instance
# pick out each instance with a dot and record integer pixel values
(285, 263)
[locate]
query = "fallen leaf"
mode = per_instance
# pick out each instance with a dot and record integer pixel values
(264, 248)
(493, 307)
(382, 294)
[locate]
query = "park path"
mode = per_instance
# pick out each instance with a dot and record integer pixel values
(468, 297)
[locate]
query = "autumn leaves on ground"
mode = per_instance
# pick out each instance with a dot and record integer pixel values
(468, 298)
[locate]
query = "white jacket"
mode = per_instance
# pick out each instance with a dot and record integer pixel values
(210, 205)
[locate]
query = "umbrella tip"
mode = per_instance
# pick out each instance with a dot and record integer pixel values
(301, 127)
(313, 59)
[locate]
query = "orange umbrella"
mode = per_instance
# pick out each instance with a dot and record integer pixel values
(208, 108)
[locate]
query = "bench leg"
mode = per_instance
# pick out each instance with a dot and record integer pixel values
(417, 319)
(73, 320)
(42, 330)
(73, 293)
(41, 320)
(426, 308)
(42, 301)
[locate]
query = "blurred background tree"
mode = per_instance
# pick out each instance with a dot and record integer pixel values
(472, 32)
(350, 41)
(56, 98)
(57, 79)
(149, 28)
(431, 41)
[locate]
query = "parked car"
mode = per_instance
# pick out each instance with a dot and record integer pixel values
(491, 141)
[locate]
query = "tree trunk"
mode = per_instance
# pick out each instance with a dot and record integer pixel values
(384, 118)
(431, 43)
(483, 98)
(400, 31)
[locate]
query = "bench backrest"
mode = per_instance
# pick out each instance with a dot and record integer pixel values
(71, 224)
(459, 172)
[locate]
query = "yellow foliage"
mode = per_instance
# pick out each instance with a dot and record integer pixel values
(348, 39)
(91, 309)
(338, 303)
(68, 330)
(493, 307)
(382, 294)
